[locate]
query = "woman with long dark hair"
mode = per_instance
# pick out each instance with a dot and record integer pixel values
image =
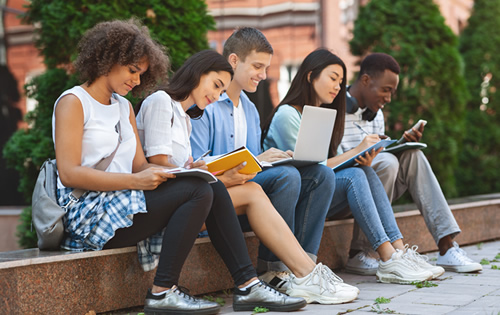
(320, 81)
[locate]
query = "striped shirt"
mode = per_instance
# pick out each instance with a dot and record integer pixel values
(353, 135)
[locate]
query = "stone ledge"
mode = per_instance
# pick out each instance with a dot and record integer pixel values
(64, 282)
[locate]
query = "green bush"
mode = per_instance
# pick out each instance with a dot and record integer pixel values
(432, 86)
(180, 25)
(479, 45)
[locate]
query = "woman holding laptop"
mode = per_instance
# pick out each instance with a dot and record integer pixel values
(320, 81)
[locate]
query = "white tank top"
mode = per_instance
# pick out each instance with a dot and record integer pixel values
(100, 136)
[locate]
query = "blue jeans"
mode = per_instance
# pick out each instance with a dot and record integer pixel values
(360, 189)
(302, 197)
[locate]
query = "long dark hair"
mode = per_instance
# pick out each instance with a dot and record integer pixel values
(188, 76)
(302, 92)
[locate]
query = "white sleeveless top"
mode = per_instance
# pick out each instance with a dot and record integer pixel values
(99, 131)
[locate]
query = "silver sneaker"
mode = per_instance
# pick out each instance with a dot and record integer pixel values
(263, 295)
(176, 301)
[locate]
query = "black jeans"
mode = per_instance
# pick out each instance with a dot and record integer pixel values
(182, 205)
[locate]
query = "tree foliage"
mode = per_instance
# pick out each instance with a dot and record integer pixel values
(479, 45)
(180, 25)
(432, 86)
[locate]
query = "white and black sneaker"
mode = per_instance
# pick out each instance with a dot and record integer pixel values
(280, 280)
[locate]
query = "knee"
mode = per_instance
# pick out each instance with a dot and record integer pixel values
(388, 165)
(354, 175)
(254, 190)
(288, 177)
(200, 189)
(322, 175)
(413, 154)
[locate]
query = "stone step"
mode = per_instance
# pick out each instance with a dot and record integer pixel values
(75, 283)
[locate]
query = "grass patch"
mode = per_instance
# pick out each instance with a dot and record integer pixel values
(260, 310)
(480, 245)
(218, 300)
(424, 284)
(484, 261)
(495, 267)
(382, 300)
(497, 256)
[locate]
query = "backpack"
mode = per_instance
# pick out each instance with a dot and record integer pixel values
(46, 212)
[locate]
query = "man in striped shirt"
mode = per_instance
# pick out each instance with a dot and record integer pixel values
(408, 170)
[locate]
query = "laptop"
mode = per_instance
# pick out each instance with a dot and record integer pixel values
(313, 140)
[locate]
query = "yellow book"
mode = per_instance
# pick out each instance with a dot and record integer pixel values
(233, 159)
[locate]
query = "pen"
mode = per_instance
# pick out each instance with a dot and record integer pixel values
(360, 128)
(202, 156)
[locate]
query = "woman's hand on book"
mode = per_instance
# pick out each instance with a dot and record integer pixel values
(233, 177)
(150, 178)
(368, 158)
(368, 141)
(197, 164)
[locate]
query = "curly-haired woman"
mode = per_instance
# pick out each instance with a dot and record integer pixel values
(133, 201)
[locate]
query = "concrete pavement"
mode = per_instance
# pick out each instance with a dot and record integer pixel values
(476, 293)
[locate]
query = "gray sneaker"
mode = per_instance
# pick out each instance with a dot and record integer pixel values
(176, 301)
(263, 295)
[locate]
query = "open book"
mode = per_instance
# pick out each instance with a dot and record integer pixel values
(196, 172)
(233, 159)
(396, 148)
(352, 162)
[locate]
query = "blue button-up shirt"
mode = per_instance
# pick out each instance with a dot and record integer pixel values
(215, 129)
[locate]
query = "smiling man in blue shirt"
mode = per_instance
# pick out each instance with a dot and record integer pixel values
(302, 196)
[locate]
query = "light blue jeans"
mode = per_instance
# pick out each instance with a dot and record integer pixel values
(360, 189)
(302, 197)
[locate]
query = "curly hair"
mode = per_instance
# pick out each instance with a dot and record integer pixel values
(124, 43)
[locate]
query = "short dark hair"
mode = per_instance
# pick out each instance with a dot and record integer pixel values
(124, 43)
(301, 92)
(244, 40)
(376, 63)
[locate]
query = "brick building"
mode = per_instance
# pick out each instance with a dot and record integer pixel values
(294, 28)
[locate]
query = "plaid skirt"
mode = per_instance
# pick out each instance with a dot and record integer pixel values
(92, 221)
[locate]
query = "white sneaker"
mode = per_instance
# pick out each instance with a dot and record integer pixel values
(362, 264)
(401, 269)
(456, 260)
(280, 280)
(423, 261)
(322, 286)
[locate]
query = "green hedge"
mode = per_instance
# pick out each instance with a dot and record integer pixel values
(479, 44)
(432, 85)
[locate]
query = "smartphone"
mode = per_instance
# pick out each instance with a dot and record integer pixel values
(410, 131)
